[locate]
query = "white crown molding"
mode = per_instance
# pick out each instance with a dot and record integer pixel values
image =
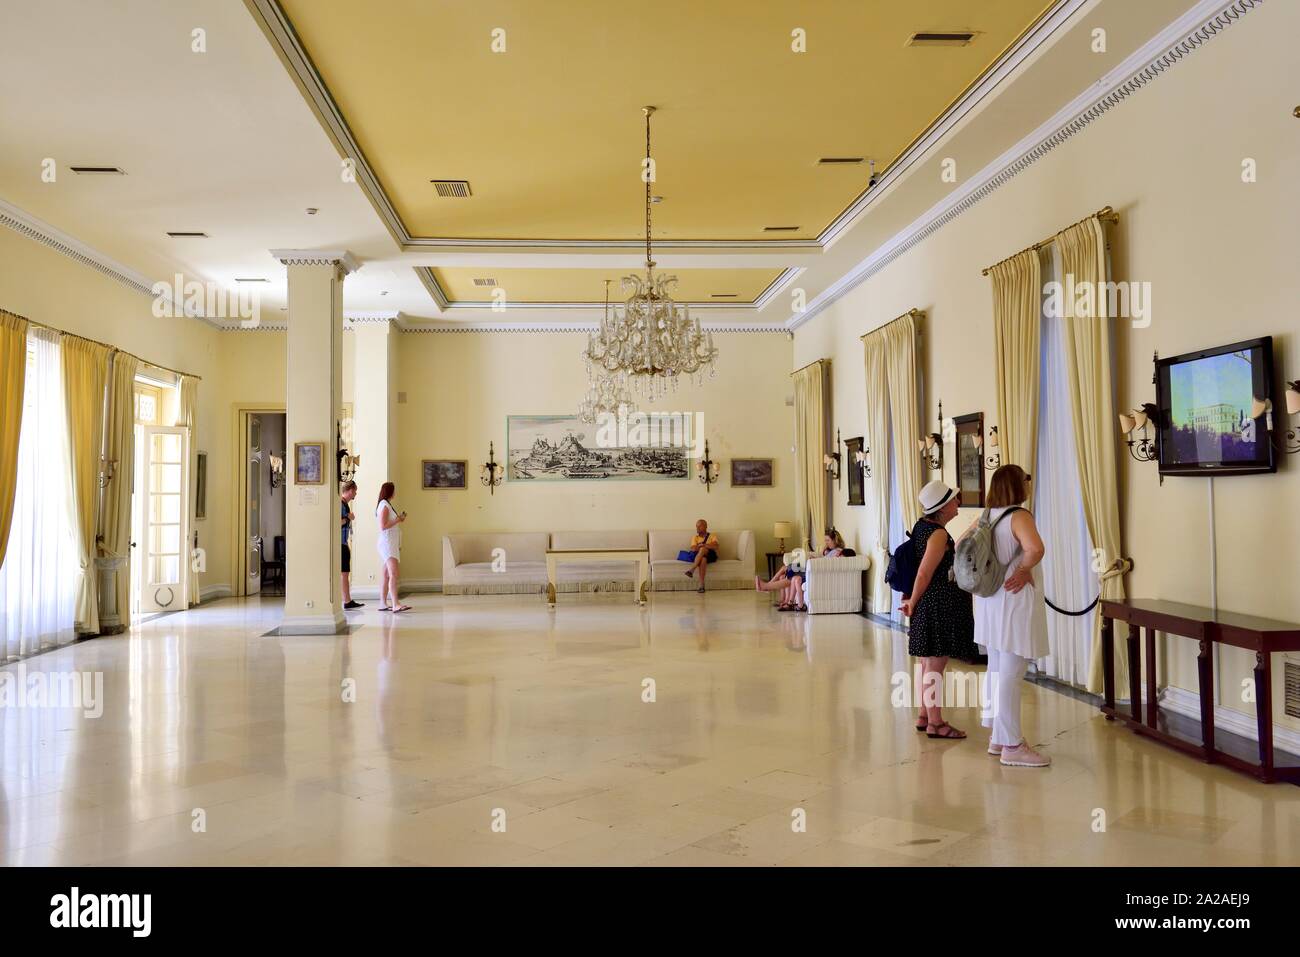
(341, 258)
(275, 23)
(1168, 47)
(37, 230)
(407, 325)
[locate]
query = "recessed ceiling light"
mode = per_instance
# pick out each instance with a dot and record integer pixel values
(841, 160)
(98, 170)
(780, 229)
(956, 38)
(452, 188)
(187, 235)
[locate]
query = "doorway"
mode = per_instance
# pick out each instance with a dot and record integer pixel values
(160, 553)
(260, 488)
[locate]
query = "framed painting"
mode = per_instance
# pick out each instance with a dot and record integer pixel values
(969, 436)
(444, 473)
(562, 448)
(857, 494)
(752, 473)
(309, 463)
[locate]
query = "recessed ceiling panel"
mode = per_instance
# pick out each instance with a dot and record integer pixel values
(523, 286)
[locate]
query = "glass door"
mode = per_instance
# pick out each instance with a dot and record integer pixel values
(164, 556)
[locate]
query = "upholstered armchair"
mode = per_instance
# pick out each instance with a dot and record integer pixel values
(834, 585)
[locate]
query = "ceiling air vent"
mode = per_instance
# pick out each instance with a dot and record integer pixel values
(187, 235)
(841, 160)
(98, 170)
(959, 38)
(780, 229)
(723, 295)
(485, 282)
(452, 188)
(251, 280)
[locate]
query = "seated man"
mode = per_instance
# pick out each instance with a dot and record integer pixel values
(705, 546)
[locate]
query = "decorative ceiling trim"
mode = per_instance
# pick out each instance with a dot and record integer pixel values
(341, 258)
(451, 307)
(1167, 48)
(279, 30)
(28, 226)
(569, 327)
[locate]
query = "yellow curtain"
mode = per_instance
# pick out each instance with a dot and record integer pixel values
(810, 440)
(119, 447)
(904, 412)
(1017, 317)
(187, 416)
(13, 374)
(85, 369)
(1087, 337)
(876, 438)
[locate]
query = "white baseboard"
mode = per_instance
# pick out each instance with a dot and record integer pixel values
(214, 591)
(409, 586)
(1188, 703)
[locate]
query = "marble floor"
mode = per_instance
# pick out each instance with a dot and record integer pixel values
(491, 731)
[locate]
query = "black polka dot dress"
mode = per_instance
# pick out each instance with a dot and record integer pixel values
(943, 622)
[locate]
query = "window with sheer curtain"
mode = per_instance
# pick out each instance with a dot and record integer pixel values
(39, 576)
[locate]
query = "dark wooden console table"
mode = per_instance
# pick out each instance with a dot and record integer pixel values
(1264, 636)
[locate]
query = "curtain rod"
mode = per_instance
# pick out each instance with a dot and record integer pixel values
(107, 345)
(1105, 214)
(815, 362)
(914, 313)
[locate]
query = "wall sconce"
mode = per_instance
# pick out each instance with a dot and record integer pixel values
(860, 460)
(931, 447)
(348, 465)
(277, 471)
(992, 461)
(1293, 408)
(707, 468)
(491, 471)
(831, 461)
(107, 468)
(1143, 449)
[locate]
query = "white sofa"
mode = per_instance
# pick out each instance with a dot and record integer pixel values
(834, 585)
(467, 562)
(733, 569)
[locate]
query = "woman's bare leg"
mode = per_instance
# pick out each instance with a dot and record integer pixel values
(383, 585)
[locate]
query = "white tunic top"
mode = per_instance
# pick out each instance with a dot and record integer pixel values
(1017, 623)
(390, 539)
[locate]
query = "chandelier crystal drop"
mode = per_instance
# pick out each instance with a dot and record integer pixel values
(606, 393)
(651, 340)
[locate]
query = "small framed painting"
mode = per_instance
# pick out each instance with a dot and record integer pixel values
(444, 473)
(970, 458)
(309, 463)
(852, 448)
(751, 473)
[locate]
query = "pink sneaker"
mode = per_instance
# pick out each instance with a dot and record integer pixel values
(994, 749)
(1023, 756)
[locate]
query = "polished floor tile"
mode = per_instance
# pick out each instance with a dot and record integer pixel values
(491, 731)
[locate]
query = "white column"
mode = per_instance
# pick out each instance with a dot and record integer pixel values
(373, 423)
(313, 388)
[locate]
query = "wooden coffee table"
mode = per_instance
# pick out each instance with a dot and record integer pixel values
(639, 555)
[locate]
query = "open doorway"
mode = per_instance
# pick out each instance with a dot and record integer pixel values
(260, 490)
(160, 504)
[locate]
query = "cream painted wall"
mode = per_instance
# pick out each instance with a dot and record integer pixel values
(1220, 255)
(460, 388)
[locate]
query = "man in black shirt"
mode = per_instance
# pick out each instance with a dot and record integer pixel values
(347, 517)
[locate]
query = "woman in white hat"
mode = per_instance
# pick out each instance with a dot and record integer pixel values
(942, 623)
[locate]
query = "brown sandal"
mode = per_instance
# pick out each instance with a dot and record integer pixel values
(955, 734)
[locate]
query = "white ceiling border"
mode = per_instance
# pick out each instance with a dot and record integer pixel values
(1167, 48)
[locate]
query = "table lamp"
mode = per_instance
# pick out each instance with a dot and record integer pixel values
(782, 531)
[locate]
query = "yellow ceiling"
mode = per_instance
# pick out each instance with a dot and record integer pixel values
(550, 133)
(588, 285)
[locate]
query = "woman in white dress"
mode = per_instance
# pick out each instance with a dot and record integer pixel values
(1011, 625)
(390, 548)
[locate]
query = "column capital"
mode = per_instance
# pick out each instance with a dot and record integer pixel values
(341, 258)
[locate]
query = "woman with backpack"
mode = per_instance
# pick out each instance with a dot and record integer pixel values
(942, 625)
(1011, 623)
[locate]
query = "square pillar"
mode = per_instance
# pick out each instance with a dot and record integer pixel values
(373, 424)
(313, 387)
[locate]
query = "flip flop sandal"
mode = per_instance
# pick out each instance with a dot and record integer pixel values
(400, 608)
(922, 726)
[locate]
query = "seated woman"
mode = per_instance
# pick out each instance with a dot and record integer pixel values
(789, 578)
(705, 546)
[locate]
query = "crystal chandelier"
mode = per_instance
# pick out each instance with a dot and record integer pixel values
(651, 340)
(606, 393)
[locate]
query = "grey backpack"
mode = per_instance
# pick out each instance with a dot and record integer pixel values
(975, 565)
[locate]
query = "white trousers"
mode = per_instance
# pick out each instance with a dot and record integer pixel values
(1001, 708)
